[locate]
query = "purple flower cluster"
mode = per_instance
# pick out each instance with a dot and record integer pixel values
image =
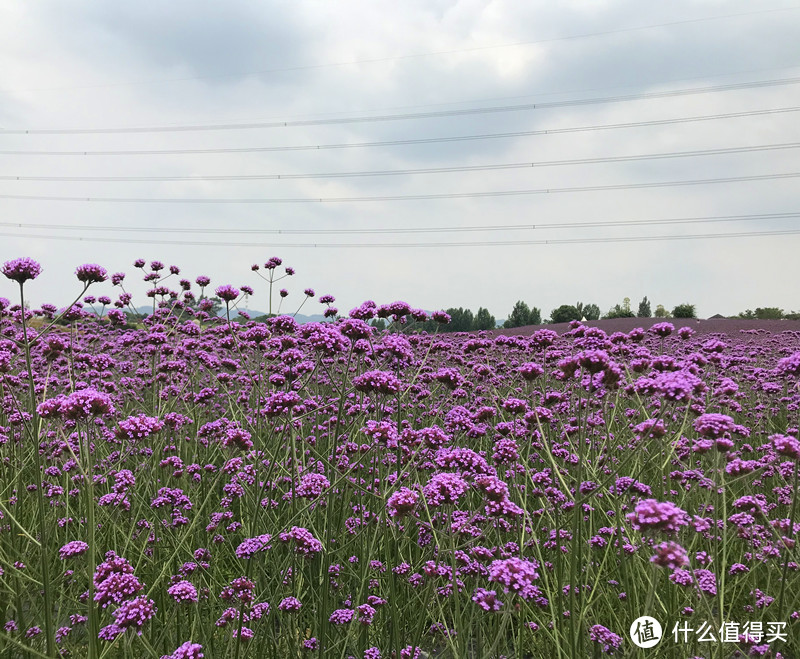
(608, 641)
(653, 515)
(140, 426)
(73, 548)
(22, 269)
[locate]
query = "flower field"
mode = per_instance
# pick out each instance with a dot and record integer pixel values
(190, 486)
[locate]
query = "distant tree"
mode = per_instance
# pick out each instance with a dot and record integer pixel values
(661, 312)
(591, 312)
(462, 320)
(484, 320)
(564, 314)
(378, 323)
(522, 315)
(747, 315)
(769, 313)
(792, 315)
(684, 311)
(644, 308)
(620, 310)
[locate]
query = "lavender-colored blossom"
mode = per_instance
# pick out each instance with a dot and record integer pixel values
(402, 502)
(341, 616)
(378, 381)
(487, 599)
(670, 555)
(786, 445)
(73, 548)
(139, 427)
(187, 650)
(251, 546)
(134, 613)
(290, 604)
(608, 641)
(516, 575)
(183, 591)
(91, 273)
(227, 293)
(653, 515)
(22, 269)
(444, 488)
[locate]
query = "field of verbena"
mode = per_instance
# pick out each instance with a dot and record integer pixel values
(276, 490)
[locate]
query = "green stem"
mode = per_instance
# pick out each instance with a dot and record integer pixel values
(35, 421)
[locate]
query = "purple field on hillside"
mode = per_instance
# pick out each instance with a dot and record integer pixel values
(189, 486)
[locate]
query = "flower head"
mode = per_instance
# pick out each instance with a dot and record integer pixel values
(91, 273)
(22, 269)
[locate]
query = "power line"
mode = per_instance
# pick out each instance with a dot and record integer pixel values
(564, 241)
(421, 230)
(422, 170)
(423, 140)
(418, 197)
(429, 140)
(410, 115)
(395, 58)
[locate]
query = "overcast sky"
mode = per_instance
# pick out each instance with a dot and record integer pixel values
(88, 65)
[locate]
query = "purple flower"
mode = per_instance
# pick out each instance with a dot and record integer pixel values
(652, 515)
(379, 381)
(366, 614)
(487, 599)
(134, 613)
(312, 485)
(706, 581)
(608, 640)
(290, 604)
(444, 488)
(22, 269)
(91, 273)
(341, 616)
(116, 588)
(662, 329)
(402, 502)
(516, 575)
(203, 281)
(280, 403)
(187, 650)
(530, 370)
(73, 548)
(786, 445)
(183, 591)
(238, 438)
(110, 632)
(671, 555)
(227, 293)
(788, 366)
(252, 546)
(305, 543)
(138, 427)
(714, 425)
(78, 405)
